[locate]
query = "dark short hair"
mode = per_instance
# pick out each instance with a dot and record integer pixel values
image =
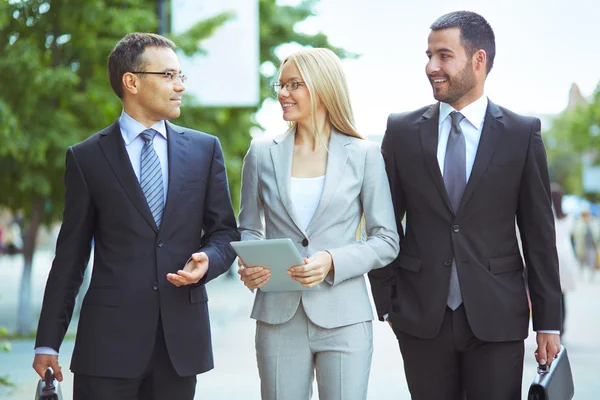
(475, 33)
(127, 56)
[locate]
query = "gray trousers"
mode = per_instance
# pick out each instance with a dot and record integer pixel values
(288, 355)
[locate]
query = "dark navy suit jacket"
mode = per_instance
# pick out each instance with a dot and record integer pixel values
(129, 293)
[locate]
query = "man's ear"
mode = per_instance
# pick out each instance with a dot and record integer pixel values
(130, 83)
(480, 60)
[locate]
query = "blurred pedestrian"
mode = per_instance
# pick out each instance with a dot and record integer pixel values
(462, 170)
(153, 196)
(312, 184)
(586, 236)
(13, 238)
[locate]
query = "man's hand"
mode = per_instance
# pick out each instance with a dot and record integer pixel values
(193, 271)
(548, 347)
(314, 270)
(253, 277)
(41, 362)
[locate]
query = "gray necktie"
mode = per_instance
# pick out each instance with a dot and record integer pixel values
(455, 179)
(151, 176)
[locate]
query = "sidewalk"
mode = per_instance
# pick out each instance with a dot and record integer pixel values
(235, 375)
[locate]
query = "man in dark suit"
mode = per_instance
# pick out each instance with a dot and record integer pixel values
(154, 198)
(462, 171)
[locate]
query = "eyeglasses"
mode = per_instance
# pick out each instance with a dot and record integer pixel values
(170, 75)
(290, 86)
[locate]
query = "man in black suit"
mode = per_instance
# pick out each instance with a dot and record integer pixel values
(455, 296)
(154, 198)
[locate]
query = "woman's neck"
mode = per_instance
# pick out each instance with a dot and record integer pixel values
(307, 136)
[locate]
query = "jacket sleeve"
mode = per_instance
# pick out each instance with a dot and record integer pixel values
(73, 249)
(381, 246)
(219, 219)
(383, 280)
(536, 225)
(251, 205)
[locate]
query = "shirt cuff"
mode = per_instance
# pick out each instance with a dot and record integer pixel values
(552, 332)
(46, 350)
(385, 316)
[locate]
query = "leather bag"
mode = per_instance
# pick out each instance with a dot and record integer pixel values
(554, 382)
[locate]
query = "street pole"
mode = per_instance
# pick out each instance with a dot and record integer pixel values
(162, 16)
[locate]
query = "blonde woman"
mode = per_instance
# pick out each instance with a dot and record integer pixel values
(312, 184)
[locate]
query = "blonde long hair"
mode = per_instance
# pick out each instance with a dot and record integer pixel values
(324, 77)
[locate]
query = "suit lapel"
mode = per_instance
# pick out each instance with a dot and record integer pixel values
(111, 144)
(281, 154)
(336, 163)
(178, 147)
(428, 131)
(490, 134)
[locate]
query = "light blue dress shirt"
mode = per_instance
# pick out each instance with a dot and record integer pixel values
(130, 130)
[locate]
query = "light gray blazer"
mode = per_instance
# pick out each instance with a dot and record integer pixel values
(355, 183)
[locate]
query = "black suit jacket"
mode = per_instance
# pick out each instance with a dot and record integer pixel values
(129, 291)
(509, 180)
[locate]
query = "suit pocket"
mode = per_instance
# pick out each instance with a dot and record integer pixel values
(198, 295)
(503, 168)
(103, 297)
(502, 265)
(193, 185)
(410, 263)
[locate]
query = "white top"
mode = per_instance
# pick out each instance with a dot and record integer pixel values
(306, 194)
(130, 130)
(471, 126)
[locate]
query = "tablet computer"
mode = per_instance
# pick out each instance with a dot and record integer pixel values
(277, 255)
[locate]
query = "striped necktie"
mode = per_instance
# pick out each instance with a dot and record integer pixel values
(151, 176)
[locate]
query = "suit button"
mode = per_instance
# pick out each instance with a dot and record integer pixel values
(159, 243)
(456, 228)
(304, 242)
(155, 287)
(448, 263)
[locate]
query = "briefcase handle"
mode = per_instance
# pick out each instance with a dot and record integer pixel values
(49, 380)
(544, 369)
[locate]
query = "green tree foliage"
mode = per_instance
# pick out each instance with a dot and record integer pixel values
(54, 92)
(574, 133)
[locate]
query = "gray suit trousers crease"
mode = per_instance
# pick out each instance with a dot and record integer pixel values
(288, 355)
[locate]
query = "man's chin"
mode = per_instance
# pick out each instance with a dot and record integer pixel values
(441, 96)
(437, 93)
(175, 114)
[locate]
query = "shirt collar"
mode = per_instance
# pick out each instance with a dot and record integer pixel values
(132, 128)
(474, 112)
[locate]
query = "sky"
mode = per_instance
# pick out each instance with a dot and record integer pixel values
(542, 47)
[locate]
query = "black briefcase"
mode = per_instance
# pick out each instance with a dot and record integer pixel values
(48, 388)
(555, 382)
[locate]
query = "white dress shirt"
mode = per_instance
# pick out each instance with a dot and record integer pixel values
(130, 130)
(471, 126)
